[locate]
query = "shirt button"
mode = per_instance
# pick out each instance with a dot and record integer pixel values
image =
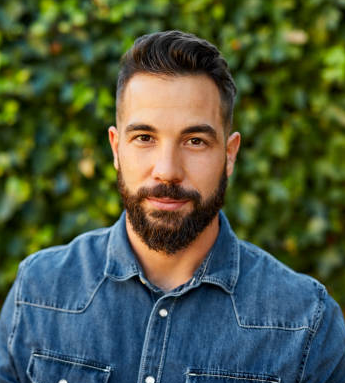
(163, 313)
(149, 379)
(63, 381)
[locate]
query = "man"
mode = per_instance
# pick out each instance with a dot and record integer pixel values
(169, 294)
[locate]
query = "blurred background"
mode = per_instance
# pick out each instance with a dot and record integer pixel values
(58, 66)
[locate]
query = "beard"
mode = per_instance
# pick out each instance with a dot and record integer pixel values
(171, 231)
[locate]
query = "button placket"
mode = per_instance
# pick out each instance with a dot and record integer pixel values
(156, 338)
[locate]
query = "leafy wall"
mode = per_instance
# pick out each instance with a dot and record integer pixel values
(58, 67)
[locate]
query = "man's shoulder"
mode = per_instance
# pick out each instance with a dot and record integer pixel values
(63, 277)
(254, 259)
(270, 294)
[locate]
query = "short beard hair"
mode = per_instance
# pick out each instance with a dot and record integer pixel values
(170, 231)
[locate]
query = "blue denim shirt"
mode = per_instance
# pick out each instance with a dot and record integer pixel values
(85, 313)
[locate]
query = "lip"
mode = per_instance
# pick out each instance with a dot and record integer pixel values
(166, 203)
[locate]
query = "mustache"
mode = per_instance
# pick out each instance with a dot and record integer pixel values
(172, 191)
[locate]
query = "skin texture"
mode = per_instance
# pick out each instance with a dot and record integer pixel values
(171, 132)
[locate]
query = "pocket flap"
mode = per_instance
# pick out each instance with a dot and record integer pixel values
(48, 367)
(221, 376)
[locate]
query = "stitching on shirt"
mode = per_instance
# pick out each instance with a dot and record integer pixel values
(133, 268)
(219, 282)
(266, 326)
(148, 330)
(43, 306)
(203, 271)
(81, 364)
(237, 264)
(317, 320)
(234, 377)
(160, 367)
(144, 349)
(123, 278)
(234, 278)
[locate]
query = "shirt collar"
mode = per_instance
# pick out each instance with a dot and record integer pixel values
(220, 267)
(121, 261)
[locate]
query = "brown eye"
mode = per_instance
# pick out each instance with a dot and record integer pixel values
(144, 138)
(196, 141)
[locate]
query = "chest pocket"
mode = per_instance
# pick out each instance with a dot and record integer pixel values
(48, 367)
(221, 376)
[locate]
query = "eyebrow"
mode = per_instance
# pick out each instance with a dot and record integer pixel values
(142, 127)
(202, 128)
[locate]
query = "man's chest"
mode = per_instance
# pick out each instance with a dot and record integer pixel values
(124, 335)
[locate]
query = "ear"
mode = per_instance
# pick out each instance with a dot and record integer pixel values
(114, 143)
(232, 146)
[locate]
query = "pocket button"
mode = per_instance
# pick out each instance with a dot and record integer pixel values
(63, 381)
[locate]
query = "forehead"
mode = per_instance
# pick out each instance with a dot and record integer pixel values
(174, 100)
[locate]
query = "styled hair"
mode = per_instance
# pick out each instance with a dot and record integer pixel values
(174, 53)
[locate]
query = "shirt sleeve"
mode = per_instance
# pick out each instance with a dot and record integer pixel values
(7, 317)
(325, 359)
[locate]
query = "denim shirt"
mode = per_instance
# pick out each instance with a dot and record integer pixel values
(85, 313)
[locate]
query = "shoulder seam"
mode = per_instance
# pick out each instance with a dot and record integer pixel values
(277, 327)
(68, 311)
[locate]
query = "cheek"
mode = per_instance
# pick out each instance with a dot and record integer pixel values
(205, 173)
(134, 168)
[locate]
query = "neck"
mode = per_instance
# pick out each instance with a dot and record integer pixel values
(170, 271)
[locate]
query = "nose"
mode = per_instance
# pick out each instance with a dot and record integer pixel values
(168, 166)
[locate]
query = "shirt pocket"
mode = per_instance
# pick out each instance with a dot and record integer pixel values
(223, 376)
(49, 367)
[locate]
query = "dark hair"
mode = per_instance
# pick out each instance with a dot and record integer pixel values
(177, 53)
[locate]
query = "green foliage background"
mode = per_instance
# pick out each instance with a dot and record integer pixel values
(58, 67)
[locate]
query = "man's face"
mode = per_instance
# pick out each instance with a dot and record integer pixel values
(172, 156)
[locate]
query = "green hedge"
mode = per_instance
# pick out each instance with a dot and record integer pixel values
(58, 67)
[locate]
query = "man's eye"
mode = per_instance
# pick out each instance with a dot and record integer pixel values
(196, 141)
(143, 138)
